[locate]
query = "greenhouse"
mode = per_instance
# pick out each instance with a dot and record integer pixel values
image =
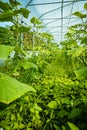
(43, 65)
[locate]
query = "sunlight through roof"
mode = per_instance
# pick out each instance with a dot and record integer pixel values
(56, 15)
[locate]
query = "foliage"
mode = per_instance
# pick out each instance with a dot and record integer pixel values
(80, 15)
(11, 89)
(58, 75)
(36, 22)
(5, 51)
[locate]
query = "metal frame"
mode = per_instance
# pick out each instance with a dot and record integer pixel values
(63, 4)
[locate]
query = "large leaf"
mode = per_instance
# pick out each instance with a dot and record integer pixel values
(72, 126)
(11, 89)
(5, 51)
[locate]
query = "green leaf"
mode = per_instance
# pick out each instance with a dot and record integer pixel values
(56, 127)
(63, 127)
(6, 16)
(3, 32)
(76, 51)
(62, 113)
(81, 73)
(19, 50)
(75, 113)
(24, 12)
(5, 51)
(52, 105)
(17, 28)
(29, 129)
(21, 126)
(16, 125)
(85, 6)
(14, 3)
(37, 107)
(23, 29)
(13, 117)
(72, 126)
(28, 65)
(35, 20)
(84, 40)
(19, 117)
(11, 89)
(79, 14)
(4, 6)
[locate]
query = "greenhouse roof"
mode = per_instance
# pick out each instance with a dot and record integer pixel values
(56, 15)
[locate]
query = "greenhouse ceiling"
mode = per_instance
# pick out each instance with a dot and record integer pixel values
(56, 15)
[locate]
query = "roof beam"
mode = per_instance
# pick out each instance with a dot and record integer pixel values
(55, 2)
